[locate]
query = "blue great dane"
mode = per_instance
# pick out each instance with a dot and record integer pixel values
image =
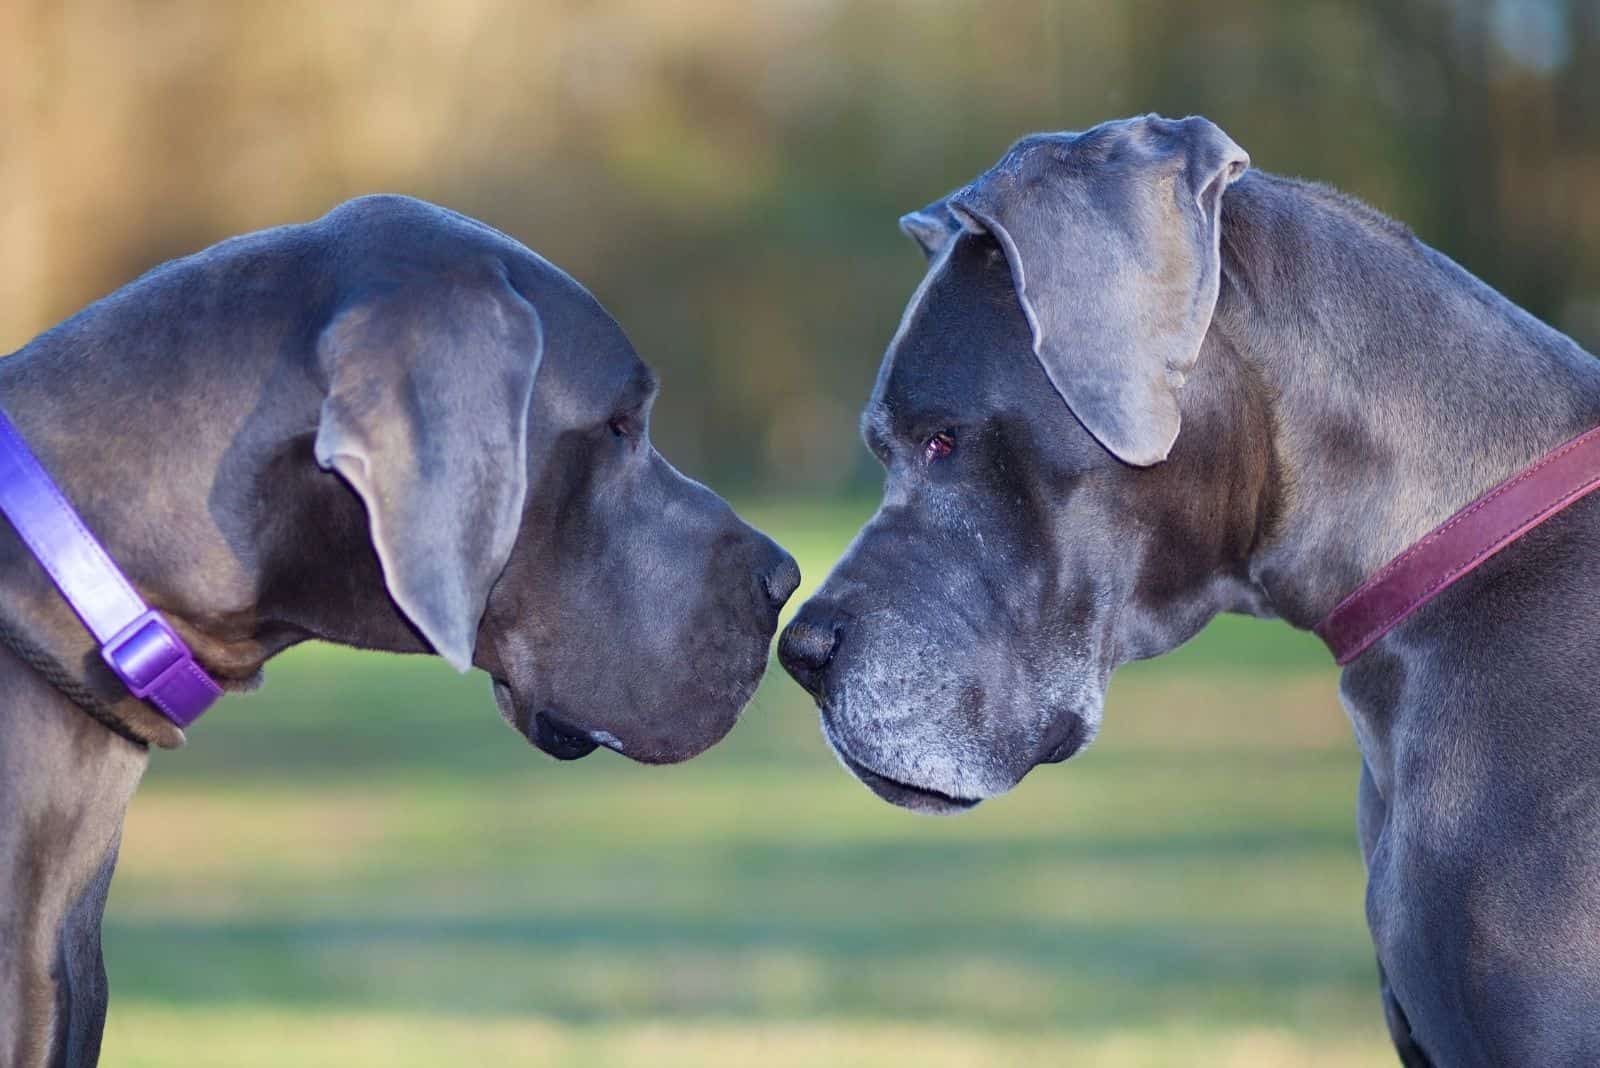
(392, 428)
(1141, 384)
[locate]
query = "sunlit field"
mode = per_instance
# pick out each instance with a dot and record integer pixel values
(362, 865)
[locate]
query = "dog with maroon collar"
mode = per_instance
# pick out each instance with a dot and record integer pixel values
(392, 428)
(1141, 385)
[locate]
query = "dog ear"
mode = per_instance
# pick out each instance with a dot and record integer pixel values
(426, 417)
(932, 227)
(1113, 237)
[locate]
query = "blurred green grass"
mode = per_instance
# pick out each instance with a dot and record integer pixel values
(362, 864)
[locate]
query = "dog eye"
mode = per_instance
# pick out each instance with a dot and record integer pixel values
(938, 447)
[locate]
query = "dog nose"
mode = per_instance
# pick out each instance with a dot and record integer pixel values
(778, 577)
(808, 646)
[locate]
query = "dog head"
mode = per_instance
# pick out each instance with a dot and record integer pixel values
(495, 422)
(1030, 537)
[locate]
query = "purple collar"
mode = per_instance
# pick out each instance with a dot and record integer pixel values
(140, 646)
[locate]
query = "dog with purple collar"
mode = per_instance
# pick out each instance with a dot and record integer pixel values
(1141, 384)
(392, 428)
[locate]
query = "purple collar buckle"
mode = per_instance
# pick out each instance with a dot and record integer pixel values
(156, 666)
(137, 643)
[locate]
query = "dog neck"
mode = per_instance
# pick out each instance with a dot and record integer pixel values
(214, 506)
(1394, 388)
(1400, 387)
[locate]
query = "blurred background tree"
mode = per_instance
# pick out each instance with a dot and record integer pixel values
(726, 176)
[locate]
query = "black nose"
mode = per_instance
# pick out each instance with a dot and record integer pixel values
(808, 645)
(779, 577)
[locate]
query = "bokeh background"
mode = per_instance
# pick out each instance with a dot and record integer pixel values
(361, 865)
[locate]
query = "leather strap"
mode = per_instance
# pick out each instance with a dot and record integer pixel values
(1460, 544)
(138, 644)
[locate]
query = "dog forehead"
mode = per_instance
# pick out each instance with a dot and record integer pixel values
(590, 365)
(961, 329)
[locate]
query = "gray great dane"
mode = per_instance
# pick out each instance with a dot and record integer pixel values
(1139, 386)
(393, 428)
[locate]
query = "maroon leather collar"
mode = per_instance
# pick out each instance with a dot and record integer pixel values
(1461, 543)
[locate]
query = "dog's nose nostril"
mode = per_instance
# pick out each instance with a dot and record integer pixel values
(806, 648)
(779, 580)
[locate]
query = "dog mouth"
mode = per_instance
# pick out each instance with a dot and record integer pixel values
(902, 794)
(559, 739)
(691, 721)
(548, 732)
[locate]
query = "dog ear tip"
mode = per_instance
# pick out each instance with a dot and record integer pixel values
(1143, 457)
(459, 659)
(451, 638)
(454, 648)
(1140, 450)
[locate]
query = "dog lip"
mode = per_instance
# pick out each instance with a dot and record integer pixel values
(547, 732)
(897, 792)
(559, 739)
(905, 794)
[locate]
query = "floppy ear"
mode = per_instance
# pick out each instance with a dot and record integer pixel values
(426, 416)
(932, 227)
(1112, 237)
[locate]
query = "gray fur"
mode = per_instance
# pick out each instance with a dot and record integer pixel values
(1354, 387)
(393, 428)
